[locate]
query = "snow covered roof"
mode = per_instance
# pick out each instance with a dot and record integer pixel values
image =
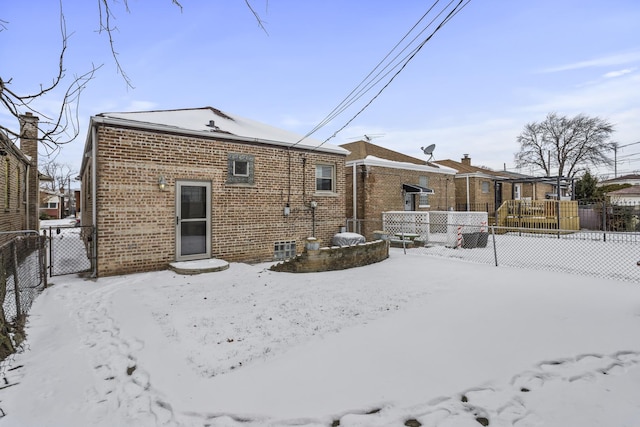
(376, 161)
(212, 121)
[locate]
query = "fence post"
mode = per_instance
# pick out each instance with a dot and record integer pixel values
(94, 249)
(495, 251)
(6, 344)
(604, 220)
(42, 255)
(50, 239)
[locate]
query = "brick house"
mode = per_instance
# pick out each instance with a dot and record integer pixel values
(481, 189)
(382, 180)
(19, 178)
(50, 205)
(504, 194)
(165, 186)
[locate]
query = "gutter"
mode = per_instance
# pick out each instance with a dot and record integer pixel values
(401, 165)
(355, 201)
(94, 205)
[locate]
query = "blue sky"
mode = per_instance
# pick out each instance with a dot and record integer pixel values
(493, 68)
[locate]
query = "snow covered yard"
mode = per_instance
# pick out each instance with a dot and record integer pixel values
(413, 340)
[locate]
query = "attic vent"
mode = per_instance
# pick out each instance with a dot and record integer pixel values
(212, 125)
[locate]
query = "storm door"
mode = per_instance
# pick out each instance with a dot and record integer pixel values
(193, 220)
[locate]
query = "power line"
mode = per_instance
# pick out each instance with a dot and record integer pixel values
(449, 16)
(364, 86)
(371, 80)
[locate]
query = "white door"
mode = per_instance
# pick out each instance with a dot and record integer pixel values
(193, 220)
(517, 191)
(408, 202)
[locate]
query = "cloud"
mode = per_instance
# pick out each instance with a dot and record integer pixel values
(141, 106)
(605, 61)
(618, 73)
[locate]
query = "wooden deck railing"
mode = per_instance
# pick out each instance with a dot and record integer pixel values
(538, 214)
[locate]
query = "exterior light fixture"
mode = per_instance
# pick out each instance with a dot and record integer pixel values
(162, 183)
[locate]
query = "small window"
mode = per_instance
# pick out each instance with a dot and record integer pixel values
(52, 205)
(19, 182)
(284, 249)
(325, 178)
(485, 187)
(240, 168)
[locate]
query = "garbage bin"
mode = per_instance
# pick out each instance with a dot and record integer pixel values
(469, 240)
(483, 238)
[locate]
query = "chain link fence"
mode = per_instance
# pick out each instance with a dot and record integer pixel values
(22, 277)
(70, 249)
(612, 255)
(612, 214)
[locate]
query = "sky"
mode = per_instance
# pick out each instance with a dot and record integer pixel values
(428, 336)
(493, 68)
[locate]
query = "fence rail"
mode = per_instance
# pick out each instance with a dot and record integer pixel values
(613, 255)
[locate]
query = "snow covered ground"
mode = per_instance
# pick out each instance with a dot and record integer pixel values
(413, 340)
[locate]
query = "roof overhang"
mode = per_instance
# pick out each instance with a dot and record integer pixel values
(400, 165)
(412, 188)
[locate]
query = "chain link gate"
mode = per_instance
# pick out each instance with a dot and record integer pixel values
(71, 249)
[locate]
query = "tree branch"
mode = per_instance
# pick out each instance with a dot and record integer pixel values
(62, 127)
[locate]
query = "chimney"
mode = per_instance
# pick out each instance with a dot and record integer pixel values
(29, 147)
(466, 160)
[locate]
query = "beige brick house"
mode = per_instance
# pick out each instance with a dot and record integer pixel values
(482, 189)
(502, 193)
(382, 180)
(164, 186)
(19, 179)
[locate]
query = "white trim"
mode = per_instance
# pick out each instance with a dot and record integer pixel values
(178, 186)
(333, 178)
(402, 165)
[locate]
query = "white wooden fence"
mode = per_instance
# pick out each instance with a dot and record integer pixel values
(437, 227)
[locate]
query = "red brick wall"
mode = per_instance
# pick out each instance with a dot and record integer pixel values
(136, 221)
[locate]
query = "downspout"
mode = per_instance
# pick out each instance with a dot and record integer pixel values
(94, 205)
(355, 201)
(468, 193)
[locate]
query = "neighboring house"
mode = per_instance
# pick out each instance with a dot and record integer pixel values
(382, 180)
(50, 204)
(190, 184)
(633, 179)
(479, 188)
(19, 179)
(513, 199)
(629, 196)
(483, 189)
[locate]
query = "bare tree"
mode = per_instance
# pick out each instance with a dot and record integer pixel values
(567, 145)
(61, 175)
(62, 127)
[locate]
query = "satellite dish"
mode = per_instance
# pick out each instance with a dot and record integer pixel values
(428, 150)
